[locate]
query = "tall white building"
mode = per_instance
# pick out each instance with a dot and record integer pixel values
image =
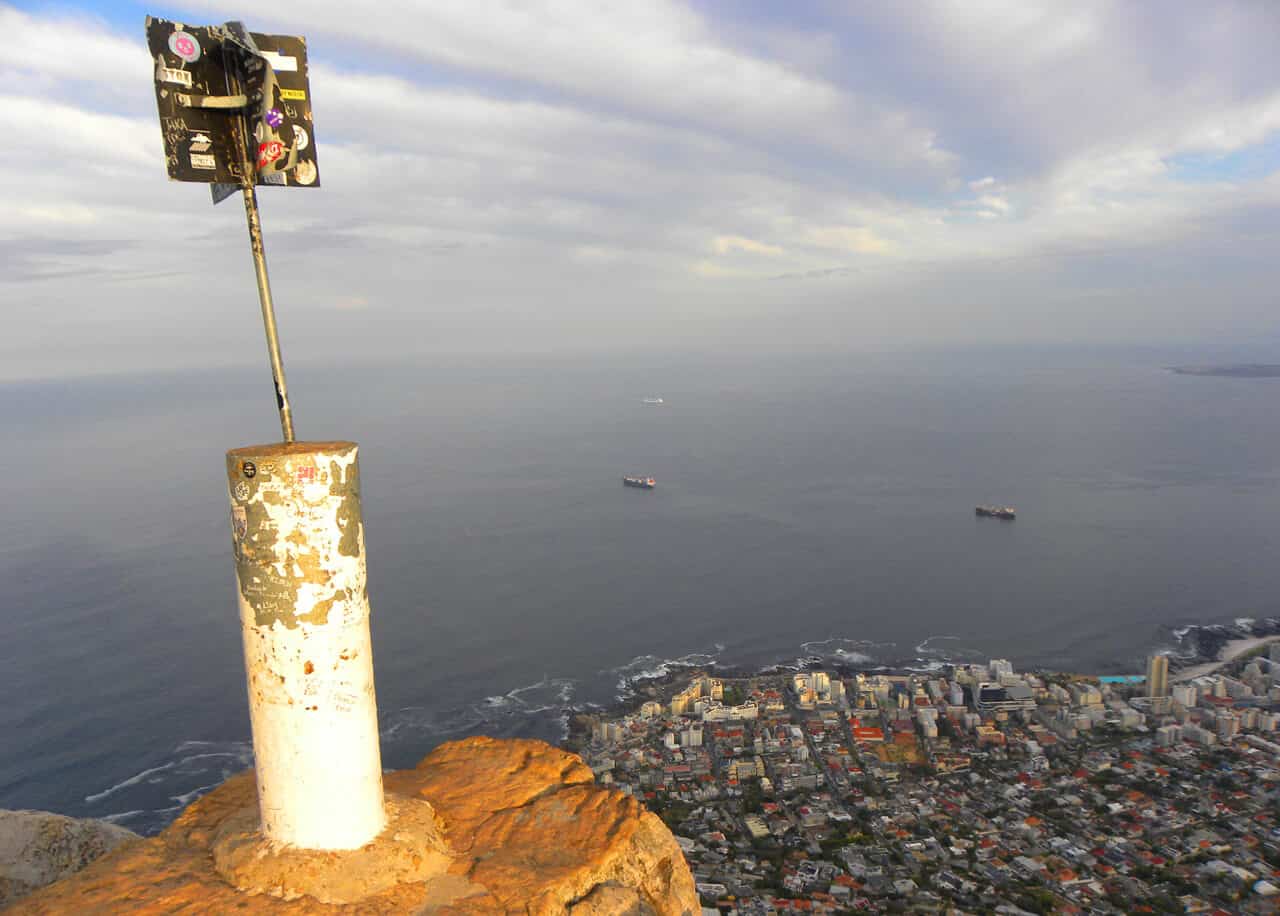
(817, 688)
(696, 695)
(1158, 676)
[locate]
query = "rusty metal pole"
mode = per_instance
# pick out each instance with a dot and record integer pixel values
(268, 309)
(248, 175)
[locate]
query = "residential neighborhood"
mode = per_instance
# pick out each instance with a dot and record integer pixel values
(969, 789)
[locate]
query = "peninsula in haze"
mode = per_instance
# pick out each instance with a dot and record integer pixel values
(1239, 370)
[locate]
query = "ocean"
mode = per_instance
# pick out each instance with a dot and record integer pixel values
(818, 507)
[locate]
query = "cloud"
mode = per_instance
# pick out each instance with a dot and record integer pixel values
(658, 61)
(724, 244)
(857, 239)
(523, 174)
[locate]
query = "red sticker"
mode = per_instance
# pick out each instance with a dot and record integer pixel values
(269, 152)
(307, 474)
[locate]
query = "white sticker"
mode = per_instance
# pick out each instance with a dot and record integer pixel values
(170, 75)
(300, 138)
(305, 173)
(200, 143)
(279, 62)
(203, 161)
(239, 521)
(272, 178)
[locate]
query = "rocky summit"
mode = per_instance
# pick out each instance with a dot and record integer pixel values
(518, 827)
(38, 848)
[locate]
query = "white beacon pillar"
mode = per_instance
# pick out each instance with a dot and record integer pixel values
(298, 538)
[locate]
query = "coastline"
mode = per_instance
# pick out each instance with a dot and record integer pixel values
(1230, 651)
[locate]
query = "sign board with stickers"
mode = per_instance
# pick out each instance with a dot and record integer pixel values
(188, 62)
(232, 103)
(235, 113)
(284, 133)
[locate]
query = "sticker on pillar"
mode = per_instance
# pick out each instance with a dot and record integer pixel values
(273, 117)
(305, 173)
(185, 46)
(241, 490)
(306, 474)
(249, 469)
(239, 521)
(300, 138)
(293, 95)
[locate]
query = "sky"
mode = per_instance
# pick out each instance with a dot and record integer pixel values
(555, 176)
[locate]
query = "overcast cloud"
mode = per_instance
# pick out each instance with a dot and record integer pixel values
(545, 176)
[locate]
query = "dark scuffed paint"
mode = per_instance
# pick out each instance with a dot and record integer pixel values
(272, 596)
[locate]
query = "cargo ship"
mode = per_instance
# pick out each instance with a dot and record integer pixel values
(1006, 512)
(644, 483)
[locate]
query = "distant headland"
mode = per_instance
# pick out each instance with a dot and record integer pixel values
(1239, 370)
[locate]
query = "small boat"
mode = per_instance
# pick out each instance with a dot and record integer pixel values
(1008, 513)
(652, 402)
(644, 483)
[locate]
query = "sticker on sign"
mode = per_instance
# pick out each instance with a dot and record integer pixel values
(185, 46)
(170, 75)
(281, 63)
(269, 152)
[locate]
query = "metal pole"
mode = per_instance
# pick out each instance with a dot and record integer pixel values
(248, 175)
(268, 309)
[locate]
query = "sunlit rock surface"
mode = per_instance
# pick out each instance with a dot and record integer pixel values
(525, 828)
(38, 848)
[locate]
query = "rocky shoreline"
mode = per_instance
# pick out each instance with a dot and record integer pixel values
(1196, 646)
(1204, 644)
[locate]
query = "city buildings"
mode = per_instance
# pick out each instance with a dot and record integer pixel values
(931, 793)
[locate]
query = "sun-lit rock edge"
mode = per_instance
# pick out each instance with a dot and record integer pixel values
(38, 848)
(525, 827)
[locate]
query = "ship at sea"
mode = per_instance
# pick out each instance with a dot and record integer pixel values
(652, 402)
(644, 483)
(1005, 512)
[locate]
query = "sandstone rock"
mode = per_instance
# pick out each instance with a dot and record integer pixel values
(38, 848)
(525, 828)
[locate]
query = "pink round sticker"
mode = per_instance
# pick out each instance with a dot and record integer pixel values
(185, 46)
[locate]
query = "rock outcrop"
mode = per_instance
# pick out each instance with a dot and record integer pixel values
(38, 848)
(524, 826)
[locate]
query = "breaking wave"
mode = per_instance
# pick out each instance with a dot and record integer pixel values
(651, 667)
(150, 798)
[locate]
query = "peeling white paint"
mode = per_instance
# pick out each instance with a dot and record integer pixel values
(311, 690)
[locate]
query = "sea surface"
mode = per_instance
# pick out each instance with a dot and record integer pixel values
(805, 507)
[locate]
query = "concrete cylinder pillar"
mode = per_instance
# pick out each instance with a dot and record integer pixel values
(298, 538)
